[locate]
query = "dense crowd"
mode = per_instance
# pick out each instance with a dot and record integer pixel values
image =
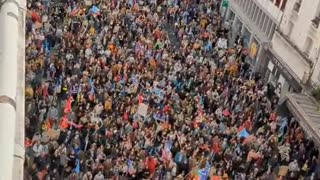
(134, 89)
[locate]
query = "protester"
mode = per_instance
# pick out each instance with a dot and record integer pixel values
(150, 90)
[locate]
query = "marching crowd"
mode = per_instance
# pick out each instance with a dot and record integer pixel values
(134, 89)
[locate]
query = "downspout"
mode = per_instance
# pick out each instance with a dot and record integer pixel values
(10, 38)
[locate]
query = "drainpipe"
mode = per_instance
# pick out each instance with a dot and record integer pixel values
(10, 54)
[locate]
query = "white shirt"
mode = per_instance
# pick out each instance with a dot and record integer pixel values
(37, 149)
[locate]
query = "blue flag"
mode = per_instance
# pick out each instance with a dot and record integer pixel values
(94, 10)
(77, 169)
(168, 145)
(244, 133)
(204, 173)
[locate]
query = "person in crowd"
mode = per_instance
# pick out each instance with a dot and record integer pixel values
(152, 89)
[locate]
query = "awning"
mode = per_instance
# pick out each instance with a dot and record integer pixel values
(305, 109)
(285, 70)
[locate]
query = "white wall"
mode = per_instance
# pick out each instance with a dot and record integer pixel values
(288, 54)
(12, 46)
(271, 9)
(302, 29)
(302, 24)
(8, 84)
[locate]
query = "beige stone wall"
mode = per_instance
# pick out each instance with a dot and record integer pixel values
(19, 152)
(12, 56)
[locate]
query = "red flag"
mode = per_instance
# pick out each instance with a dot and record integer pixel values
(67, 107)
(166, 108)
(140, 98)
(27, 143)
(151, 164)
(64, 124)
(75, 11)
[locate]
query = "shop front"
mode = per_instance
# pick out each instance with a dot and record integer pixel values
(280, 76)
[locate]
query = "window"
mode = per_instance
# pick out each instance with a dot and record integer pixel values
(263, 17)
(290, 89)
(265, 24)
(297, 5)
(248, 4)
(256, 15)
(268, 29)
(290, 28)
(231, 16)
(274, 76)
(283, 5)
(240, 2)
(308, 45)
(246, 37)
(272, 29)
(316, 21)
(245, 4)
(255, 8)
(278, 2)
(250, 8)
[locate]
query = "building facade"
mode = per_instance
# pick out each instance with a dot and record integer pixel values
(255, 22)
(12, 70)
(296, 43)
(286, 35)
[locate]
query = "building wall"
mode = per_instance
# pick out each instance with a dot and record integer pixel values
(259, 16)
(12, 45)
(255, 21)
(298, 40)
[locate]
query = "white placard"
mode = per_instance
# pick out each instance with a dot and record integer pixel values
(143, 109)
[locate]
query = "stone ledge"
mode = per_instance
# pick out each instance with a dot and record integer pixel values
(19, 151)
(8, 100)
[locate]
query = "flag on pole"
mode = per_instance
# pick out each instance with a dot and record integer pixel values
(130, 167)
(243, 133)
(77, 169)
(64, 123)
(166, 150)
(91, 94)
(203, 174)
(75, 11)
(67, 107)
(94, 11)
